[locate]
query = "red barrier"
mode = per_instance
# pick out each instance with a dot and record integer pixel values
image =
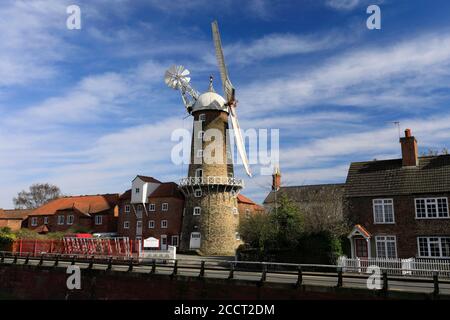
(118, 247)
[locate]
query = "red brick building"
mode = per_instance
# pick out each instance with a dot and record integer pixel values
(247, 207)
(399, 207)
(152, 208)
(14, 219)
(96, 213)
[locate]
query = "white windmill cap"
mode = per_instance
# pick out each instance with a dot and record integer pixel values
(210, 100)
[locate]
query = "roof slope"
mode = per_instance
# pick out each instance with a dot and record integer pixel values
(307, 192)
(148, 179)
(21, 214)
(389, 177)
(167, 189)
(85, 204)
(243, 199)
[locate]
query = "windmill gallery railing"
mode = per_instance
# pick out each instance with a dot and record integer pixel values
(211, 180)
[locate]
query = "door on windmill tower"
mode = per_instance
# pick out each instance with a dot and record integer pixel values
(163, 242)
(195, 240)
(139, 228)
(361, 248)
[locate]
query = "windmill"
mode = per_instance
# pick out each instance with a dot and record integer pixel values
(211, 217)
(177, 77)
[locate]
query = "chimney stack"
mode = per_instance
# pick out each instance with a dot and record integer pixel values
(276, 179)
(410, 152)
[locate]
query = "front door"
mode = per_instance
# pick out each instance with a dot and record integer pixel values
(139, 228)
(163, 242)
(195, 240)
(361, 248)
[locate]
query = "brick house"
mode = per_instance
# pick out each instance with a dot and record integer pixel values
(14, 219)
(152, 208)
(399, 207)
(96, 213)
(247, 207)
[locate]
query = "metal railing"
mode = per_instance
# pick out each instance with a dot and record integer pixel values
(294, 274)
(211, 180)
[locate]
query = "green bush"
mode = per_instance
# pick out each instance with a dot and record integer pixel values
(6, 238)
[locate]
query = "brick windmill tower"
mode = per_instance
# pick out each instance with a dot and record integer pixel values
(211, 217)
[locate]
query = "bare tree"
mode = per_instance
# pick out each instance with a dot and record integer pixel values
(38, 194)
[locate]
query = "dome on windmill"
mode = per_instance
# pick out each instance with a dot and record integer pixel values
(210, 100)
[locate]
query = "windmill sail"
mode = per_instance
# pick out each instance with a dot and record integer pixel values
(240, 142)
(228, 90)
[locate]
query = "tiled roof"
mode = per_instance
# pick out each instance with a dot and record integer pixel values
(126, 195)
(243, 199)
(85, 204)
(306, 193)
(148, 179)
(167, 189)
(389, 177)
(21, 214)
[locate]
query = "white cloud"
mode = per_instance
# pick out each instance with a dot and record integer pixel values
(342, 4)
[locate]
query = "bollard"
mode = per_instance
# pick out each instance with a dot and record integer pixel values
(339, 283)
(15, 259)
(91, 263)
(3, 257)
(436, 283)
(73, 260)
(385, 281)
(202, 269)
(153, 271)
(299, 277)
(109, 264)
(27, 259)
(231, 275)
(175, 268)
(130, 265)
(41, 260)
(264, 273)
(56, 261)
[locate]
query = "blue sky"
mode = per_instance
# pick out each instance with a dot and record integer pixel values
(88, 110)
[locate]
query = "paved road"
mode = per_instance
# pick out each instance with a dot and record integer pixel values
(191, 268)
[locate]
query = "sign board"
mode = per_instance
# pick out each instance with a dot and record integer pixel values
(151, 243)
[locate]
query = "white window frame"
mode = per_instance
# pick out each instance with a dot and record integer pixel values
(137, 190)
(198, 193)
(200, 153)
(200, 134)
(98, 220)
(235, 211)
(70, 219)
(152, 207)
(164, 224)
(165, 206)
(384, 200)
(199, 209)
(178, 241)
(429, 256)
(127, 208)
(45, 220)
(385, 240)
(60, 220)
(151, 224)
(202, 117)
(238, 236)
(34, 221)
(427, 214)
(126, 224)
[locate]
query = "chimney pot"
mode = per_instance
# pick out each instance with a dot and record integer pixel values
(408, 133)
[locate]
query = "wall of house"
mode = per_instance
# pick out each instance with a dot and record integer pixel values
(109, 222)
(173, 217)
(406, 227)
